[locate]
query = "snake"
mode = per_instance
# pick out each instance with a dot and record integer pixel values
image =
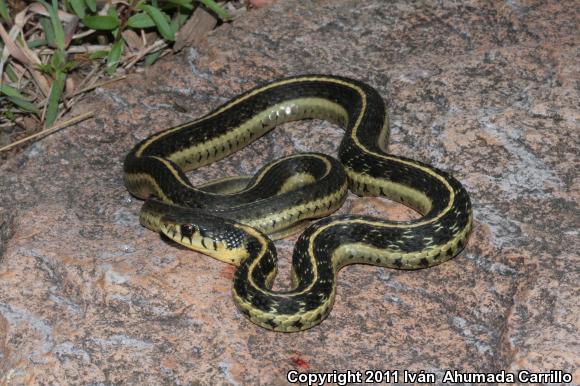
(236, 219)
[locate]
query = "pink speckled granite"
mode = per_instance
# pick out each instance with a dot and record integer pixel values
(486, 90)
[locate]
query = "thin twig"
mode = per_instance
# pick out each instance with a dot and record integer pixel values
(48, 131)
(158, 45)
(84, 49)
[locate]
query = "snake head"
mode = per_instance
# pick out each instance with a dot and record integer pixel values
(211, 235)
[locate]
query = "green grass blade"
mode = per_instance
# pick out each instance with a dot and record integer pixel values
(92, 4)
(24, 105)
(112, 11)
(214, 7)
(140, 20)
(9, 70)
(161, 21)
(4, 12)
(58, 60)
(114, 56)
(106, 23)
(78, 7)
(36, 43)
(187, 4)
(152, 58)
(53, 99)
(48, 31)
(56, 23)
(99, 54)
(10, 91)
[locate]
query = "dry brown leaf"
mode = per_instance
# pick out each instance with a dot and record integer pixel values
(65, 17)
(195, 29)
(21, 18)
(69, 85)
(13, 49)
(69, 30)
(150, 38)
(133, 40)
(31, 60)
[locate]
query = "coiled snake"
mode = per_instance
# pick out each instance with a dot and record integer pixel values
(230, 219)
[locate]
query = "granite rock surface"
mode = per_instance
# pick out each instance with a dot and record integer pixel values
(485, 90)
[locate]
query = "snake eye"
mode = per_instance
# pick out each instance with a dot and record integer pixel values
(187, 230)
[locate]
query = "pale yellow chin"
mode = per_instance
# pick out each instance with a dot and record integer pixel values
(205, 245)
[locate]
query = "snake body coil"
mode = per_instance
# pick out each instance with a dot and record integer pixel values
(229, 219)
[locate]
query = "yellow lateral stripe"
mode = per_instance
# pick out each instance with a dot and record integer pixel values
(173, 171)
